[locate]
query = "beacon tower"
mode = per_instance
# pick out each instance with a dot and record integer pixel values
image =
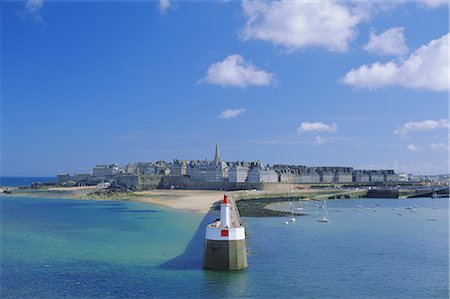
(225, 247)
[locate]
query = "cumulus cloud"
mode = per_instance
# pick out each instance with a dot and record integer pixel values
(301, 24)
(234, 71)
(231, 113)
(164, 5)
(425, 68)
(390, 42)
(316, 127)
(425, 125)
(412, 147)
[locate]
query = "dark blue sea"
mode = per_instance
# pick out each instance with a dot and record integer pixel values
(24, 181)
(59, 248)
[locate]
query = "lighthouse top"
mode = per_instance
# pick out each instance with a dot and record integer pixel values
(229, 226)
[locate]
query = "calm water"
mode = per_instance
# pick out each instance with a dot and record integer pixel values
(54, 248)
(24, 181)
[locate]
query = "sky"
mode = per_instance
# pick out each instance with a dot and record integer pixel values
(326, 83)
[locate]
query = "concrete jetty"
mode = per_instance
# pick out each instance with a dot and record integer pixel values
(225, 247)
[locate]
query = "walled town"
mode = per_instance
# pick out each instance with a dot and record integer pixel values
(221, 175)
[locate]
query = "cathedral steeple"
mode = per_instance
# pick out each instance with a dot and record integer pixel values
(217, 157)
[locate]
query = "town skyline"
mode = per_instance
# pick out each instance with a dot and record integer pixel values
(369, 90)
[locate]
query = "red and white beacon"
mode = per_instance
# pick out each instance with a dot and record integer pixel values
(225, 247)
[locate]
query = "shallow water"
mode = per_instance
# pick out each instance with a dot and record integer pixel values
(55, 248)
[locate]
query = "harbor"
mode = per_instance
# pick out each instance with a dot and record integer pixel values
(141, 249)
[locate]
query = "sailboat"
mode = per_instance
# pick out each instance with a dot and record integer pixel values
(324, 218)
(292, 216)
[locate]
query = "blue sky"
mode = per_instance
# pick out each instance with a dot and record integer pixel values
(327, 83)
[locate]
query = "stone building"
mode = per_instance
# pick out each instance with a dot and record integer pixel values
(105, 170)
(343, 175)
(262, 174)
(178, 167)
(208, 171)
(361, 176)
(238, 172)
(295, 174)
(376, 176)
(391, 176)
(326, 174)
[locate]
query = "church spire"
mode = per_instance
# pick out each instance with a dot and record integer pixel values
(217, 157)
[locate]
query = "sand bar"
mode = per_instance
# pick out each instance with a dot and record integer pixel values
(199, 201)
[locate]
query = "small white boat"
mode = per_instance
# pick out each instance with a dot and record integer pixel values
(415, 206)
(325, 218)
(286, 223)
(292, 216)
(432, 219)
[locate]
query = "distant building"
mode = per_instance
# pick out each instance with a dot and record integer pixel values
(104, 171)
(131, 169)
(390, 176)
(238, 172)
(209, 171)
(343, 175)
(295, 174)
(326, 174)
(361, 176)
(178, 167)
(146, 167)
(63, 177)
(262, 174)
(376, 176)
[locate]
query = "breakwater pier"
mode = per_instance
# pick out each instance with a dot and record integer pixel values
(225, 247)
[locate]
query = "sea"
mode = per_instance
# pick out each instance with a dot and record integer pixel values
(60, 248)
(24, 181)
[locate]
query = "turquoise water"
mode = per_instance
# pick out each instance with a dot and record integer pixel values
(53, 248)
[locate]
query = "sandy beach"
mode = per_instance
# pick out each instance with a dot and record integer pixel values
(199, 201)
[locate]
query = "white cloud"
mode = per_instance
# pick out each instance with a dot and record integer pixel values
(316, 127)
(425, 125)
(164, 5)
(299, 24)
(234, 71)
(426, 68)
(439, 146)
(32, 10)
(231, 113)
(412, 147)
(320, 140)
(33, 6)
(434, 3)
(390, 42)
